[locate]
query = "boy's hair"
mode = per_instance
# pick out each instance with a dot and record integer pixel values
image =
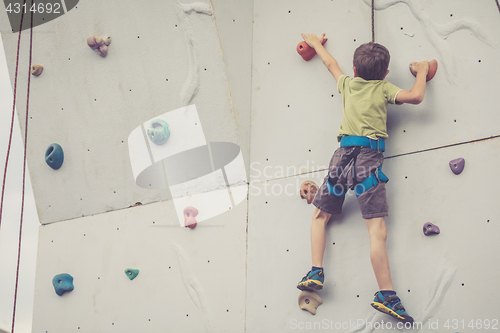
(371, 61)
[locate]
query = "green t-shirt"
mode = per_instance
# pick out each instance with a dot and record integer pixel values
(364, 104)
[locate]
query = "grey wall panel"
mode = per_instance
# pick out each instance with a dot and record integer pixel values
(189, 279)
(296, 104)
(432, 274)
(90, 105)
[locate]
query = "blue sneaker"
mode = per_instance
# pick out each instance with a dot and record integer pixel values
(392, 306)
(312, 281)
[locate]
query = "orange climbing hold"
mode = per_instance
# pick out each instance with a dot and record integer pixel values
(433, 66)
(306, 51)
(36, 69)
(190, 217)
(308, 190)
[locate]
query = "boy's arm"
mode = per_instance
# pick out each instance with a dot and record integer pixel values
(417, 92)
(331, 64)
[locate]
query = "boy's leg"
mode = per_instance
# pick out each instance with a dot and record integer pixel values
(386, 299)
(324, 202)
(315, 277)
(378, 253)
(318, 236)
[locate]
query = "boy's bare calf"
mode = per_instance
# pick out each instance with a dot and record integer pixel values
(378, 254)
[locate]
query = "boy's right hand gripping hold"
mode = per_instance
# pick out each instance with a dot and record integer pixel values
(417, 92)
(433, 66)
(331, 64)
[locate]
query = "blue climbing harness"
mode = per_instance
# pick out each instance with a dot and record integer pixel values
(371, 181)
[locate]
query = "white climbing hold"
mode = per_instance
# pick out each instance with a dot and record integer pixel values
(107, 40)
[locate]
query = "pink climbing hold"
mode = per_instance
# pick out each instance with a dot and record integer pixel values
(94, 41)
(457, 165)
(306, 51)
(102, 50)
(99, 45)
(190, 214)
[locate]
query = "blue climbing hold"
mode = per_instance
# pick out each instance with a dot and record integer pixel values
(63, 283)
(132, 273)
(54, 156)
(158, 131)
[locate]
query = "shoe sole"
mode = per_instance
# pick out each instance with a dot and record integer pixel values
(310, 285)
(382, 308)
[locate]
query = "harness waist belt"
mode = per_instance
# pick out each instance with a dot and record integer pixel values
(362, 141)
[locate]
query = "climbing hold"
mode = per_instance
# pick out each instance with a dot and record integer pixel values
(306, 51)
(102, 50)
(36, 69)
(431, 229)
(99, 45)
(457, 165)
(107, 40)
(308, 190)
(131, 273)
(433, 66)
(309, 301)
(63, 283)
(94, 41)
(158, 131)
(190, 217)
(54, 156)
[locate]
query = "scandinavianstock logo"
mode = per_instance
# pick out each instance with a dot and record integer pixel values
(170, 151)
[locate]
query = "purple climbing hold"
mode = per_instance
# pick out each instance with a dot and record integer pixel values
(431, 229)
(457, 165)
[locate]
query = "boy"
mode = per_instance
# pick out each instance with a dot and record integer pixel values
(357, 163)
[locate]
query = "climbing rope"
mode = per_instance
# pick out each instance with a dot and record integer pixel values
(13, 114)
(498, 5)
(373, 20)
(25, 150)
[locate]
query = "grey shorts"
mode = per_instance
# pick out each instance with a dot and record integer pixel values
(373, 203)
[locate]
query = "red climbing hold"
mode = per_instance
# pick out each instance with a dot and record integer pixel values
(306, 51)
(433, 66)
(190, 217)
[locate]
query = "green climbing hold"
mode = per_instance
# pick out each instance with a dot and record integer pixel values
(132, 273)
(158, 131)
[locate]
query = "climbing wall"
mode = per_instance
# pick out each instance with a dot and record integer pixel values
(226, 74)
(109, 207)
(296, 112)
(90, 105)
